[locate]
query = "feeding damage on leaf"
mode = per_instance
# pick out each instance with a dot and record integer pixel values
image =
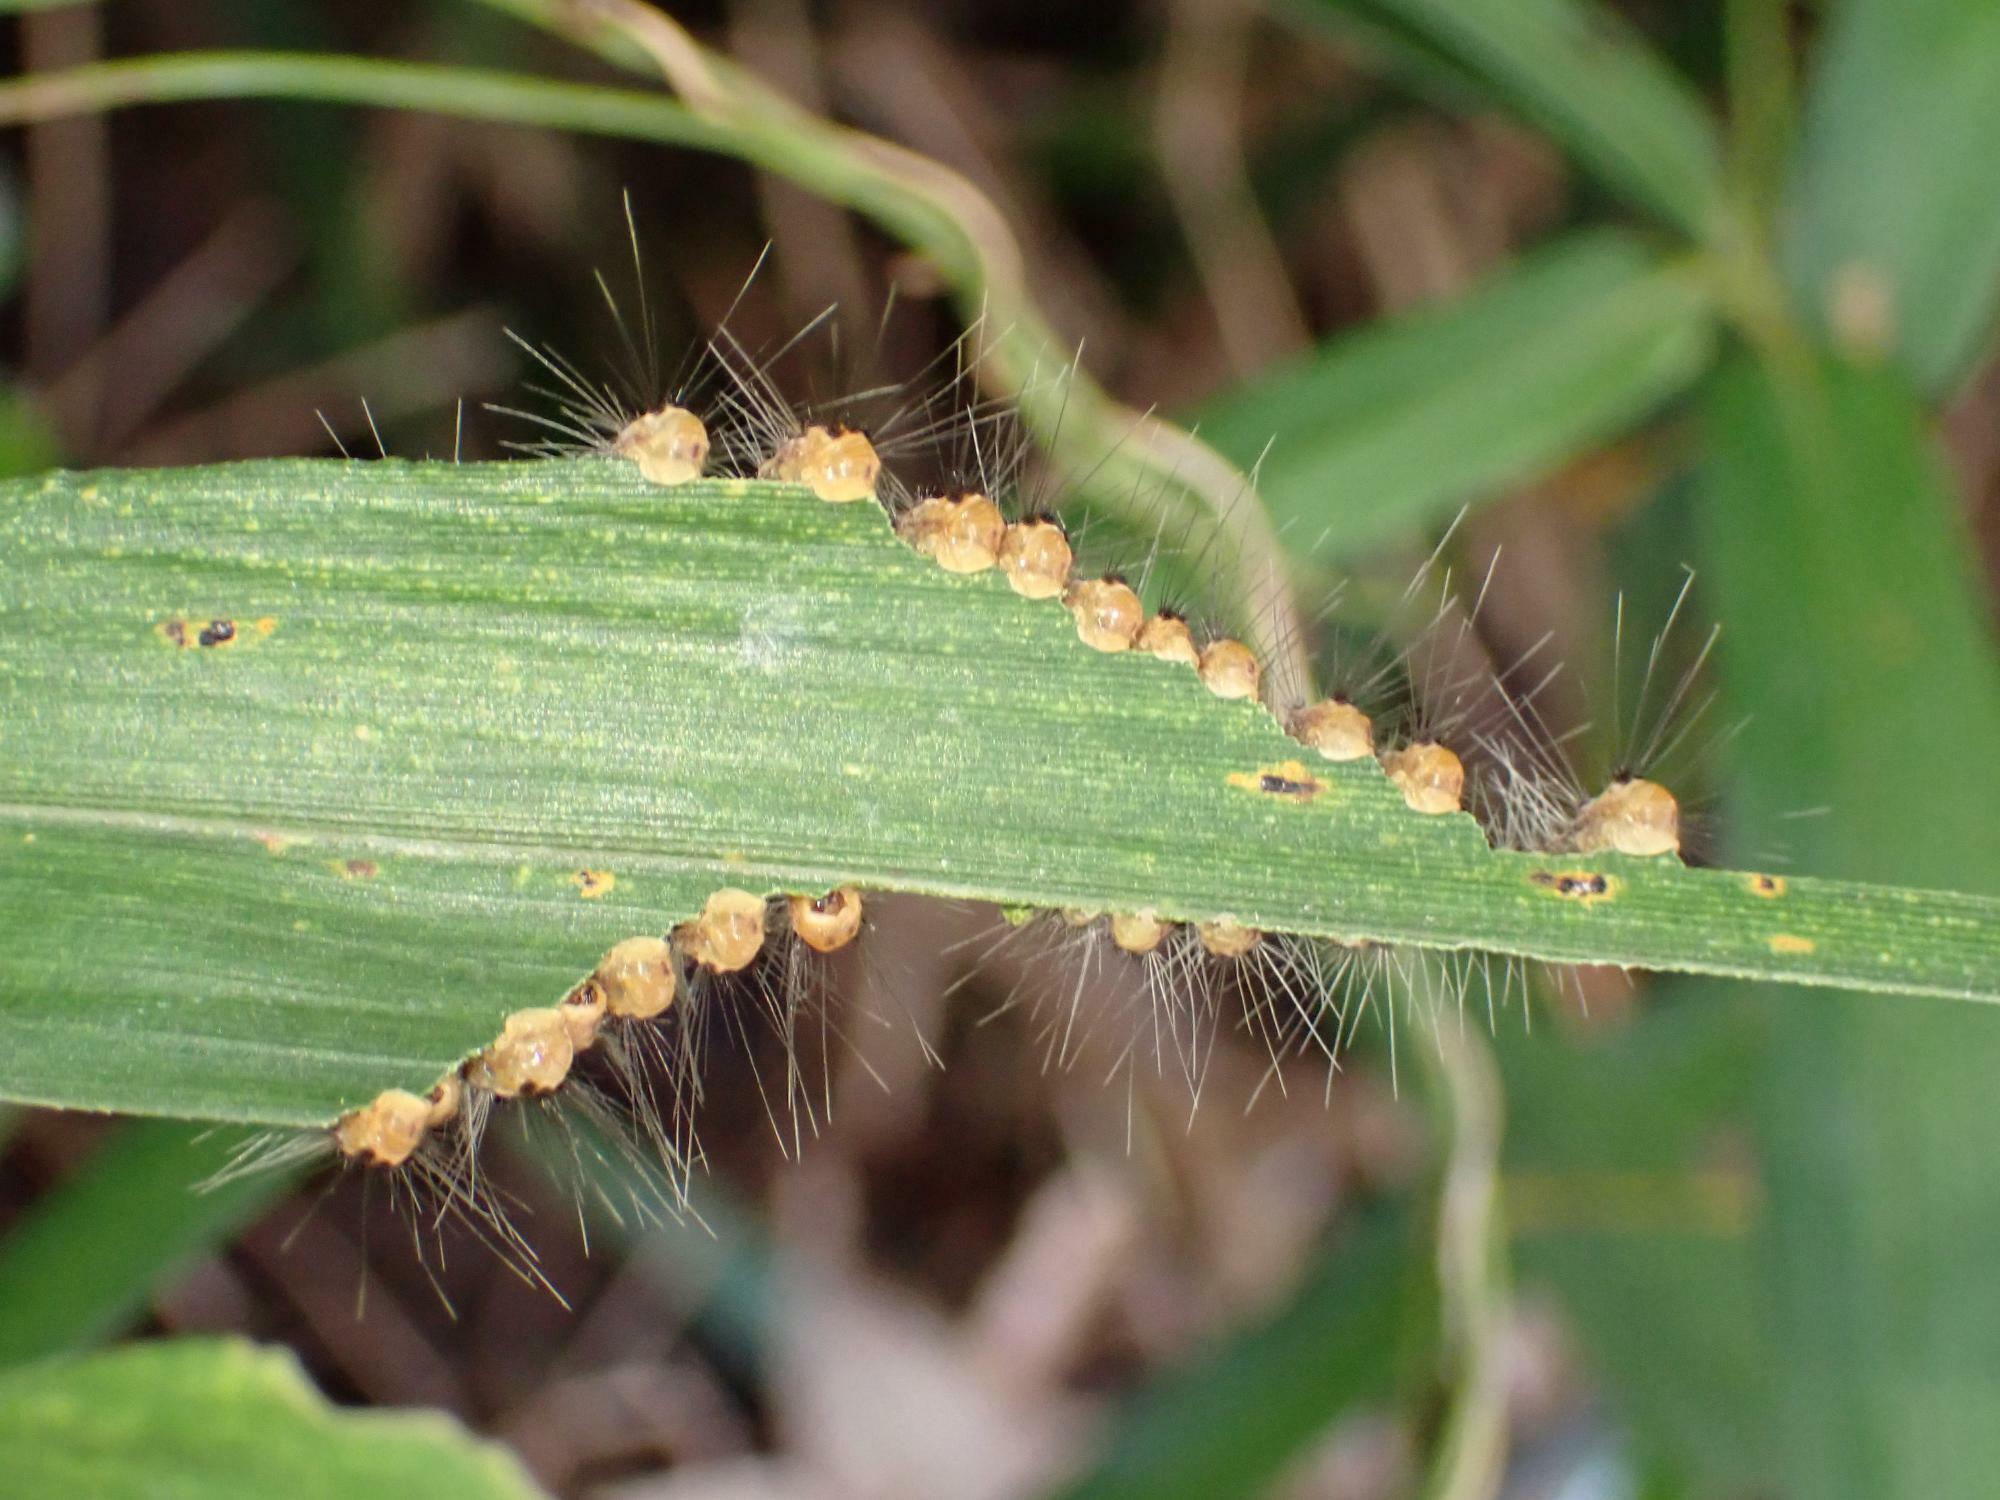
(1587, 887)
(1289, 780)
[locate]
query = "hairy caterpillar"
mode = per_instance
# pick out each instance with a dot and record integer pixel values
(1195, 981)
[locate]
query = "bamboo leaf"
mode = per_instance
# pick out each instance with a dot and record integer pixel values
(1393, 428)
(221, 1419)
(263, 880)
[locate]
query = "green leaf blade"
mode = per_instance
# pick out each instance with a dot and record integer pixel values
(1393, 429)
(223, 1419)
(1579, 73)
(1226, 1426)
(1835, 539)
(1891, 229)
(331, 856)
(80, 1265)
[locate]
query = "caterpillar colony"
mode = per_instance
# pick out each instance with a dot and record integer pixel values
(1414, 691)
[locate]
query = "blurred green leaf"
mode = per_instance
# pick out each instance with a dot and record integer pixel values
(1631, 1193)
(27, 443)
(1395, 427)
(1226, 1426)
(1633, 1186)
(1760, 59)
(218, 1419)
(330, 856)
(1837, 539)
(721, 1282)
(1580, 73)
(82, 1262)
(1891, 227)
(1857, 631)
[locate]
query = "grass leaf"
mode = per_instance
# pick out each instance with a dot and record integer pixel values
(1839, 558)
(1891, 226)
(1578, 72)
(474, 724)
(81, 1263)
(1393, 428)
(1227, 1425)
(223, 1419)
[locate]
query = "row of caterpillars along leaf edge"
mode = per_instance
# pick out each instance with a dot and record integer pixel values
(964, 530)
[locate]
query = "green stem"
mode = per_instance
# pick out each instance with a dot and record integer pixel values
(1471, 1454)
(1758, 56)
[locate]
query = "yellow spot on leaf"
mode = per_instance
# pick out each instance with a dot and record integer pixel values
(363, 732)
(1786, 942)
(591, 884)
(1770, 887)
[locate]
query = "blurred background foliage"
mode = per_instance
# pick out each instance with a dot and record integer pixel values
(1646, 286)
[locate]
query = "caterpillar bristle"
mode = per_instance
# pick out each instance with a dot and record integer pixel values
(1543, 797)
